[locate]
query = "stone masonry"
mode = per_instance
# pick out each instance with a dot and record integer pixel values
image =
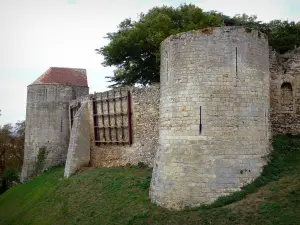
(285, 92)
(205, 129)
(47, 118)
(79, 146)
(214, 115)
(145, 113)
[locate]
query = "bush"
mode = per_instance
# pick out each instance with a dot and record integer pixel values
(9, 177)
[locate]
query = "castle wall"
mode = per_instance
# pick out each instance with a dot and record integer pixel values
(214, 115)
(79, 147)
(145, 109)
(285, 92)
(47, 125)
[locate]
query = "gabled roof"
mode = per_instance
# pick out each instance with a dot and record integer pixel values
(61, 75)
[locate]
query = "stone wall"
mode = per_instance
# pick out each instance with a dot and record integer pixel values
(79, 146)
(285, 92)
(47, 125)
(145, 113)
(214, 115)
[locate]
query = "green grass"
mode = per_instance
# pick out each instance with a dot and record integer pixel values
(119, 195)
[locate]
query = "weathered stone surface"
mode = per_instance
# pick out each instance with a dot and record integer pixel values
(79, 146)
(145, 113)
(285, 92)
(47, 125)
(226, 73)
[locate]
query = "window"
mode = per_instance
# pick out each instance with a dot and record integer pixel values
(167, 65)
(286, 97)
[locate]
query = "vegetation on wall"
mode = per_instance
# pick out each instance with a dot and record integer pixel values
(40, 161)
(134, 48)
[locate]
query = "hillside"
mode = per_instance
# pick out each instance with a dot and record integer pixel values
(119, 195)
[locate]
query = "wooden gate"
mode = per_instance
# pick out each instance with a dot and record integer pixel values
(112, 118)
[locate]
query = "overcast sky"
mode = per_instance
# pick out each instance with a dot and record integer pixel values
(38, 34)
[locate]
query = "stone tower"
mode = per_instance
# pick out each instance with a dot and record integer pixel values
(47, 112)
(214, 115)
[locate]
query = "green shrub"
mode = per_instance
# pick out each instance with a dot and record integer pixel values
(9, 177)
(40, 160)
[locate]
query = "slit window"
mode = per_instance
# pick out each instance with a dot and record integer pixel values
(286, 97)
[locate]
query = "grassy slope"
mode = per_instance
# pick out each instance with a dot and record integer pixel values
(120, 196)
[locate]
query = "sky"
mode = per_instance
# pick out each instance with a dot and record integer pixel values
(38, 34)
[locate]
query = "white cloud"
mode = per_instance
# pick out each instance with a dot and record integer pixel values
(38, 34)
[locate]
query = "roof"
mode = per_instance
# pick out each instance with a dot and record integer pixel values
(61, 75)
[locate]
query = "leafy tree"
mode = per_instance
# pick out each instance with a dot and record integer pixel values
(134, 48)
(283, 35)
(11, 153)
(12, 145)
(5, 144)
(20, 129)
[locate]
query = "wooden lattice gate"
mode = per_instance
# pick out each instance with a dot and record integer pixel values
(112, 118)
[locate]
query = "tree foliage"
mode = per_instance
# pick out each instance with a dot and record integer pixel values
(135, 48)
(283, 35)
(11, 145)
(11, 153)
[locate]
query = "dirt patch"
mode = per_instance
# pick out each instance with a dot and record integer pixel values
(86, 169)
(207, 31)
(248, 30)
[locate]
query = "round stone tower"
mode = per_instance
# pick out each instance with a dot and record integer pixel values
(47, 118)
(214, 115)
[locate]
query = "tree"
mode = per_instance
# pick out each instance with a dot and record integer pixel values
(283, 35)
(20, 129)
(5, 144)
(11, 153)
(12, 145)
(134, 48)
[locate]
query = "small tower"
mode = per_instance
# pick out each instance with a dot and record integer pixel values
(47, 112)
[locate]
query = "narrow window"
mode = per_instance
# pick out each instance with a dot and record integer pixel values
(200, 125)
(236, 67)
(167, 65)
(46, 94)
(286, 97)
(61, 124)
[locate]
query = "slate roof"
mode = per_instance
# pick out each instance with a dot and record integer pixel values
(61, 75)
